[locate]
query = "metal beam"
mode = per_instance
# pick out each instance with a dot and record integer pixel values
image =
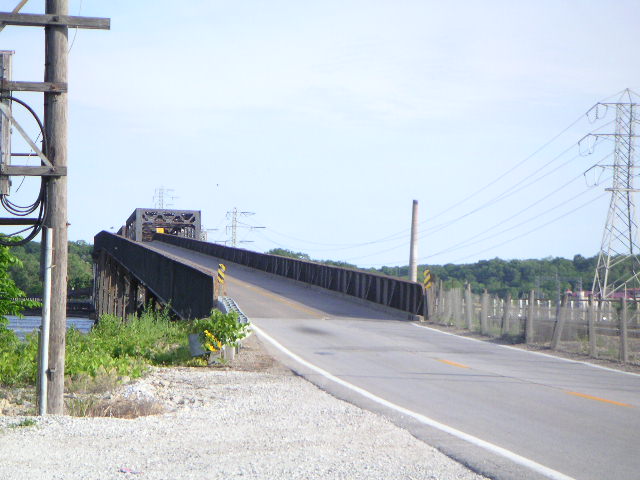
(34, 20)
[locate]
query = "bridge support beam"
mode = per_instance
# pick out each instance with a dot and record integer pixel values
(117, 292)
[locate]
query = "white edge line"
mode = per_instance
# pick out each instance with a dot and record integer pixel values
(594, 365)
(514, 457)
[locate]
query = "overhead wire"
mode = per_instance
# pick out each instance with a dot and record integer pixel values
(39, 204)
(505, 194)
(464, 244)
(405, 232)
(535, 228)
(468, 242)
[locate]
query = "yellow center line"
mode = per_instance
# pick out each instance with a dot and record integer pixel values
(598, 399)
(278, 298)
(455, 364)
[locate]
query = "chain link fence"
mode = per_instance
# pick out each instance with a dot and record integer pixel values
(600, 329)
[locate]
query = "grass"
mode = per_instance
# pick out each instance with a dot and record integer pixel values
(92, 406)
(27, 422)
(112, 353)
(112, 349)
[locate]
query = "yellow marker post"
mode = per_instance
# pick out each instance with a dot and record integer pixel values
(427, 283)
(220, 277)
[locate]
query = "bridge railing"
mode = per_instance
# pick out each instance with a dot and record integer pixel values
(387, 291)
(186, 288)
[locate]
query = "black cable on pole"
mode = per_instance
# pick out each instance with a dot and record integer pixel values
(39, 204)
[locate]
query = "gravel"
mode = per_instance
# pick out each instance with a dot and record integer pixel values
(254, 420)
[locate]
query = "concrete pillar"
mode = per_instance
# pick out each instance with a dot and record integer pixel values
(413, 248)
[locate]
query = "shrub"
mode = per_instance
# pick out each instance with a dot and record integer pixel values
(225, 327)
(113, 345)
(18, 360)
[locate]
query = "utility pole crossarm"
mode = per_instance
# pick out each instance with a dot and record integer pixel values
(33, 20)
(51, 87)
(33, 171)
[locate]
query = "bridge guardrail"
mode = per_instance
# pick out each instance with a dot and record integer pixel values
(188, 289)
(388, 291)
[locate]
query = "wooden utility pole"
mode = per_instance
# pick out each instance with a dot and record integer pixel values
(55, 121)
(54, 165)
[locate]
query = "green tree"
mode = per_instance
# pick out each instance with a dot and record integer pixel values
(12, 301)
(26, 273)
(283, 252)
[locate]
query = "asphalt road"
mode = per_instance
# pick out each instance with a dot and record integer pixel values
(505, 412)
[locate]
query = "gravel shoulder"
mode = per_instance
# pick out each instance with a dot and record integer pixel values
(252, 419)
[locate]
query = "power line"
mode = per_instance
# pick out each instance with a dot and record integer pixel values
(468, 242)
(533, 229)
(505, 194)
(403, 234)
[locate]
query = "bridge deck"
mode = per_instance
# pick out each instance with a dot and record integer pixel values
(567, 416)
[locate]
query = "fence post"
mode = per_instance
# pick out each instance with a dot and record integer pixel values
(591, 320)
(484, 312)
(459, 314)
(427, 307)
(506, 311)
(528, 326)
(560, 318)
(624, 354)
(468, 303)
(439, 303)
(431, 295)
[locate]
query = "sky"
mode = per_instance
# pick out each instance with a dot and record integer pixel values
(326, 119)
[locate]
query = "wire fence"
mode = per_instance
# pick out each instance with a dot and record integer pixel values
(599, 329)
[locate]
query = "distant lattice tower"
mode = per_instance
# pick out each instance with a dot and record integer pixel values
(618, 266)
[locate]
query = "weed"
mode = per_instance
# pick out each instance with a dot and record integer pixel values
(112, 349)
(104, 381)
(221, 329)
(27, 422)
(92, 406)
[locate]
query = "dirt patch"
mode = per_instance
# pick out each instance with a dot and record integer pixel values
(253, 357)
(17, 401)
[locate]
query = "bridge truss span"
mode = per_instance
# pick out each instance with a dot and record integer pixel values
(128, 275)
(389, 292)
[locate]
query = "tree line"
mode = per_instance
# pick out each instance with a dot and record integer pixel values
(26, 272)
(497, 276)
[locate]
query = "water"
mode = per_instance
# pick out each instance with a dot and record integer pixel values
(27, 324)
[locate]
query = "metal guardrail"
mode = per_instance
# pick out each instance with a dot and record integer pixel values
(388, 291)
(228, 304)
(187, 289)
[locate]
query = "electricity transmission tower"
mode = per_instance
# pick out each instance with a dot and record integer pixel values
(235, 224)
(618, 266)
(161, 198)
